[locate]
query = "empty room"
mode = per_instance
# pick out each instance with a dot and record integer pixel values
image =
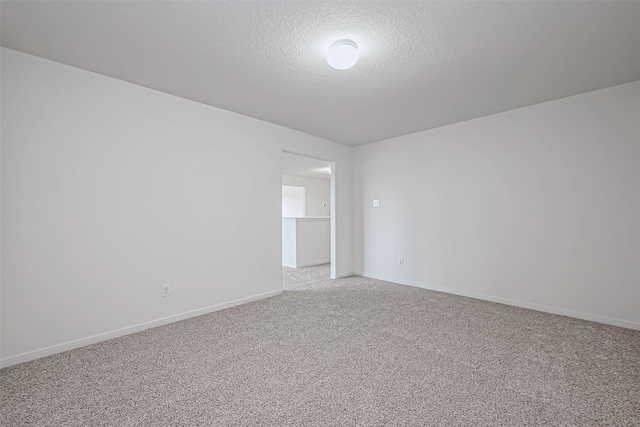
(310, 213)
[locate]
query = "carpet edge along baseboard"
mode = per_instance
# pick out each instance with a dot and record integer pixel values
(82, 342)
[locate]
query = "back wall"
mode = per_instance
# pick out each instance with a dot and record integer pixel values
(538, 207)
(317, 194)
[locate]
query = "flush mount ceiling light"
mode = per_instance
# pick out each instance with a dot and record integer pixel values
(343, 54)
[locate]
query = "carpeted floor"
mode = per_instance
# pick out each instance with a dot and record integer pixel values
(347, 352)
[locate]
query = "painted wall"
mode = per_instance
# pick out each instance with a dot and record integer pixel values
(305, 242)
(317, 194)
(289, 242)
(538, 207)
(312, 241)
(110, 189)
(292, 201)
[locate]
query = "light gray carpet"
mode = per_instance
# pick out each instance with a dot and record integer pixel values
(348, 352)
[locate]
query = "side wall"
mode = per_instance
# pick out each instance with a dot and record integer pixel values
(537, 207)
(110, 189)
(317, 194)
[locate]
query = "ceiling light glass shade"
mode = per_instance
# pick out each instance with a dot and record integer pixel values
(343, 54)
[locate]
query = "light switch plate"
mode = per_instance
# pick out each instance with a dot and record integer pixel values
(165, 291)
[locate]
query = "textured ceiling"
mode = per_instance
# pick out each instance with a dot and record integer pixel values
(295, 165)
(422, 64)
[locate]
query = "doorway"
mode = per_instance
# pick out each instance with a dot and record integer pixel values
(308, 219)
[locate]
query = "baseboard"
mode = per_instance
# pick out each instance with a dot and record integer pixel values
(544, 308)
(343, 275)
(312, 263)
(70, 345)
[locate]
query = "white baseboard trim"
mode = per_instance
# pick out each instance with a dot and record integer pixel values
(343, 275)
(312, 263)
(544, 308)
(70, 345)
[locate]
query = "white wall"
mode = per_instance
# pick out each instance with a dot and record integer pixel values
(293, 201)
(538, 207)
(289, 246)
(305, 242)
(110, 189)
(313, 242)
(317, 194)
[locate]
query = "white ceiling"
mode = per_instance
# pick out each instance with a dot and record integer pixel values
(422, 65)
(295, 165)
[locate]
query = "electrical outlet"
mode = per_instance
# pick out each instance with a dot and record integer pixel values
(165, 291)
(401, 262)
(376, 203)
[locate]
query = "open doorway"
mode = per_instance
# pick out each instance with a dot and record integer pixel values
(307, 205)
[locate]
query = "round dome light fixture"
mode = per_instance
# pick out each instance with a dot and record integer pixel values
(343, 54)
